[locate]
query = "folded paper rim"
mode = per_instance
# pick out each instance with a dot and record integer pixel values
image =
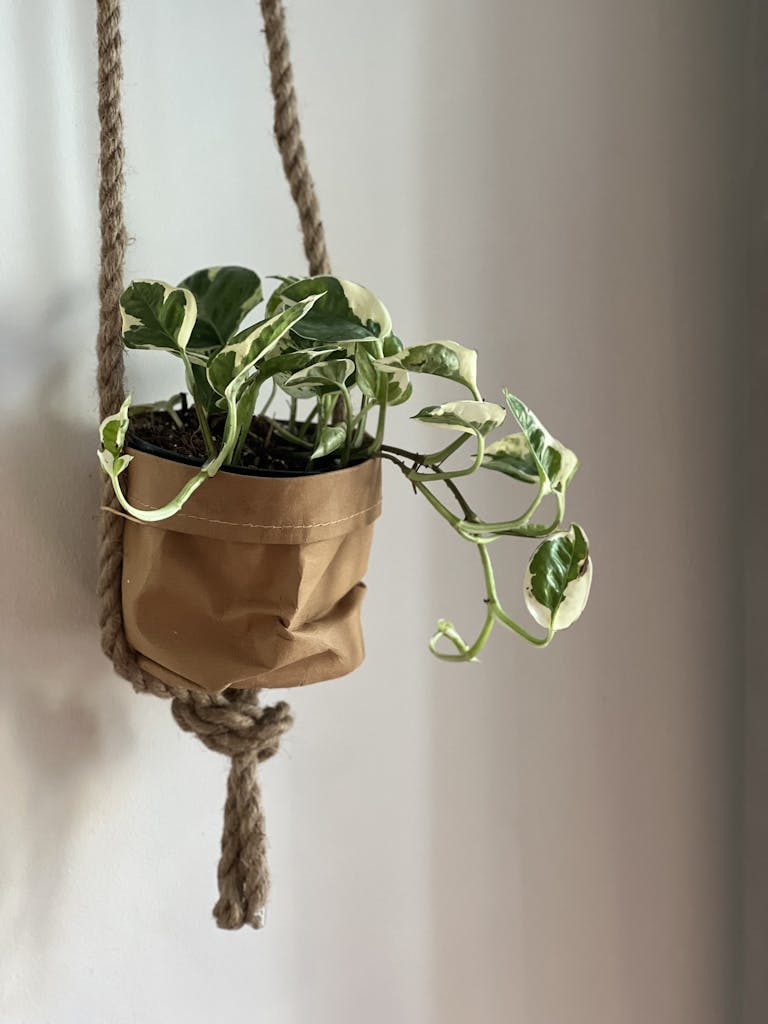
(258, 509)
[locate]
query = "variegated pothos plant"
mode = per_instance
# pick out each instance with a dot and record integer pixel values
(329, 342)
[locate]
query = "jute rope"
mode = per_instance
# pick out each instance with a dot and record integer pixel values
(288, 137)
(231, 723)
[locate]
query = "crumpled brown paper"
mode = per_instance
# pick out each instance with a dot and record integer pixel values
(256, 582)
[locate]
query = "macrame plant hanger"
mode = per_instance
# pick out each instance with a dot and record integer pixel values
(232, 723)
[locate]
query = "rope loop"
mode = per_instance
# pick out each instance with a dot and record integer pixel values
(235, 725)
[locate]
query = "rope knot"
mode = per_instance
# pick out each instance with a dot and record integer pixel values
(234, 725)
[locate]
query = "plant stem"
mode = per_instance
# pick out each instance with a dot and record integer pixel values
(270, 400)
(376, 445)
(512, 528)
(245, 409)
(202, 419)
(494, 613)
(205, 430)
(498, 611)
(437, 505)
(287, 435)
(453, 474)
(428, 460)
(156, 515)
(308, 419)
(444, 453)
(469, 513)
(349, 421)
(360, 422)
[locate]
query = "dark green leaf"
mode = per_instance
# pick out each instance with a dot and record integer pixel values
(556, 463)
(156, 315)
(225, 296)
(239, 355)
(512, 456)
(558, 579)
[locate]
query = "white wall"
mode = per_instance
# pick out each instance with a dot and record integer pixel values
(545, 838)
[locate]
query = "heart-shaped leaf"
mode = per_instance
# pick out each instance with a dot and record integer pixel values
(224, 295)
(441, 359)
(469, 417)
(286, 363)
(113, 429)
(332, 436)
(556, 463)
(318, 378)
(512, 456)
(558, 579)
(346, 312)
(157, 315)
(113, 465)
(398, 376)
(367, 376)
(112, 432)
(236, 359)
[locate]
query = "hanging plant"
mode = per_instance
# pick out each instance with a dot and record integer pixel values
(234, 540)
(328, 345)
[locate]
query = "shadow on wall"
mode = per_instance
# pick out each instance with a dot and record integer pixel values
(59, 715)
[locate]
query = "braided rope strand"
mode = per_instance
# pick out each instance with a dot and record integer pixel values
(110, 376)
(109, 344)
(232, 723)
(287, 129)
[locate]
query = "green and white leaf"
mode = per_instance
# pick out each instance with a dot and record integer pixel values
(347, 312)
(332, 437)
(556, 464)
(440, 359)
(199, 386)
(157, 315)
(469, 417)
(224, 296)
(275, 300)
(238, 356)
(558, 579)
(286, 363)
(114, 428)
(318, 378)
(399, 389)
(391, 345)
(512, 455)
(113, 465)
(367, 376)
(112, 432)
(391, 366)
(396, 395)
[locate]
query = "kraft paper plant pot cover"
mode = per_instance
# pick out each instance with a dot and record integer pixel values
(257, 582)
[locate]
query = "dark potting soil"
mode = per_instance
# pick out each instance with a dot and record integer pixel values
(264, 450)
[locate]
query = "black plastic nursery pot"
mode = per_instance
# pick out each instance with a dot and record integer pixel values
(256, 582)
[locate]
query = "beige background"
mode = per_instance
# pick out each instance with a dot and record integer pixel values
(546, 838)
